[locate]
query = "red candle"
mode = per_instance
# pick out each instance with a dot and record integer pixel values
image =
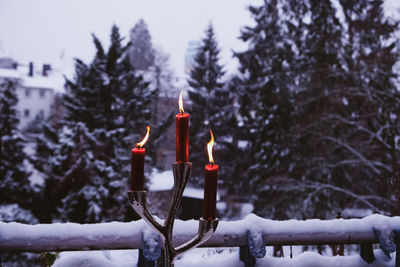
(182, 133)
(210, 191)
(137, 169)
(210, 185)
(137, 164)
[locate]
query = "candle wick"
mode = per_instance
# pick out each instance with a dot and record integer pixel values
(181, 111)
(212, 164)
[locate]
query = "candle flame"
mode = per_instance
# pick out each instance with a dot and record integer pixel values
(210, 146)
(140, 144)
(181, 102)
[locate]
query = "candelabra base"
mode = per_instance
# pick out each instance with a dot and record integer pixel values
(206, 228)
(137, 199)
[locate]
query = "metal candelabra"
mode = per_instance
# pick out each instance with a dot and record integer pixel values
(206, 229)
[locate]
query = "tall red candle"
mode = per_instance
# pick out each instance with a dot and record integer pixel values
(182, 134)
(210, 185)
(137, 164)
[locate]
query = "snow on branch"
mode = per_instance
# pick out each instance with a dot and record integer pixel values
(377, 136)
(353, 151)
(316, 187)
(117, 235)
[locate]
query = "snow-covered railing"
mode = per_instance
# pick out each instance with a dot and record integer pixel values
(16, 237)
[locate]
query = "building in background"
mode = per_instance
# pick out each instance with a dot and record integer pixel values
(36, 90)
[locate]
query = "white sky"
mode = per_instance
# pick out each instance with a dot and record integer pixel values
(40, 30)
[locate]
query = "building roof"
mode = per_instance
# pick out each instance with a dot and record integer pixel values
(49, 82)
(10, 73)
(55, 79)
(161, 181)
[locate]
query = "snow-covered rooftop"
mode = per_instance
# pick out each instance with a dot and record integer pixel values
(193, 192)
(54, 80)
(160, 181)
(10, 73)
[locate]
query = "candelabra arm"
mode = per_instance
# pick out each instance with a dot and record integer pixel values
(206, 230)
(138, 202)
(181, 171)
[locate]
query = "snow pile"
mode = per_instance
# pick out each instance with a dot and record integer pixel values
(356, 213)
(216, 257)
(313, 259)
(97, 258)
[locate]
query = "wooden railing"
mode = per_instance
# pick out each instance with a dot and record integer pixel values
(17, 237)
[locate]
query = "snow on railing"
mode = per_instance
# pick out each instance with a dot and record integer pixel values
(16, 237)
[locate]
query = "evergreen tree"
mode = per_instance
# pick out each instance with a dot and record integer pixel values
(266, 106)
(383, 119)
(372, 100)
(107, 108)
(315, 105)
(211, 108)
(141, 51)
(14, 183)
(345, 107)
(323, 88)
(47, 161)
(347, 130)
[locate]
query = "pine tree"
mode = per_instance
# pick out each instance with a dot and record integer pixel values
(14, 183)
(265, 102)
(211, 108)
(47, 160)
(381, 86)
(107, 108)
(372, 103)
(347, 156)
(292, 83)
(322, 86)
(345, 126)
(141, 51)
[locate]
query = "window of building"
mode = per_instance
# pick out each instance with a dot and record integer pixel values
(41, 113)
(27, 92)
(42, 93)
(27, 112)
